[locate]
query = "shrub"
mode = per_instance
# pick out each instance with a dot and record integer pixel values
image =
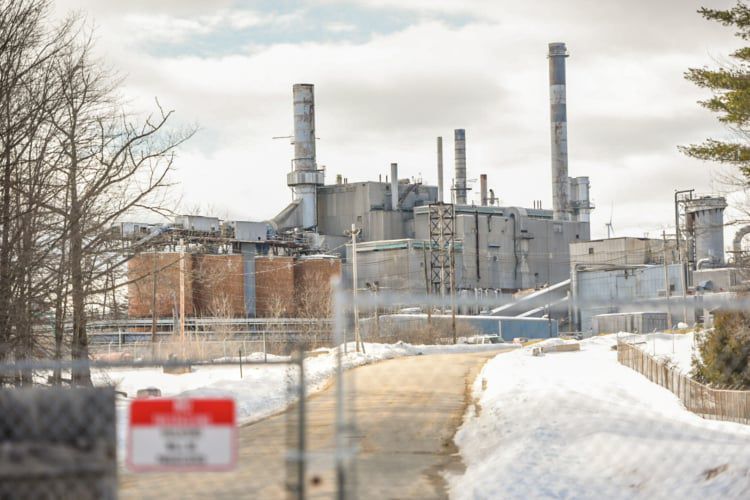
(724, 354)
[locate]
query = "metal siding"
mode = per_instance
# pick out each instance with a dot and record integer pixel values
(595, 287)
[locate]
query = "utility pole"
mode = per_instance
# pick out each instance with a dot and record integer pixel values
(683, 277)
(153, 306)
(355, 232)
(666, 281)
(453, 291)
(182, 292)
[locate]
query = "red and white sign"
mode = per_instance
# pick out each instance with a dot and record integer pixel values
(182, 434)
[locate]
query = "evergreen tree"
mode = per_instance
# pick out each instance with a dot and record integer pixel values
(724, 354)
(730, 86)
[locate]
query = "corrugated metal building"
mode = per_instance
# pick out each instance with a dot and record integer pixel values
(598, 292)
(198, 223)
(368, 205)
(510, 248)
(633, 322)
(622, 251)
(395, 264)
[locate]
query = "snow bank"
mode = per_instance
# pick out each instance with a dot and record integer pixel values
(580, 425)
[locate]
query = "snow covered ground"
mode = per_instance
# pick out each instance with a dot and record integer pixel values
(677, 347)
(579, 425)
(263, 389)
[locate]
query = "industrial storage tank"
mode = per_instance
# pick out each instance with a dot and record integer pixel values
(705, 222)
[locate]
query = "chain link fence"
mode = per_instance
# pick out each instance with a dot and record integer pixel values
(58, 443)
(317, 423)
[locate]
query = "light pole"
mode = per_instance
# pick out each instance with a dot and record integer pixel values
(667, 291)
(354, 233)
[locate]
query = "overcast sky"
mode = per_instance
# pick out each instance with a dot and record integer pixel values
(391, 75)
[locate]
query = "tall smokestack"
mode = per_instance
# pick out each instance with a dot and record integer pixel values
(559, 131)
(305, 176)
(459, 136)
(483, 189)
(394, 186)
(440, 168)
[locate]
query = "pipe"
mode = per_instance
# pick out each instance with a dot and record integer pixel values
(558, 131)
(305, 176)
(701, 262)
(459, 137)
(440, 169)
(515, 250)
(304, 127)
(483, 189)
(394, 186)
(677, 202)
(737, 243)
(705, 216)
(476, 242)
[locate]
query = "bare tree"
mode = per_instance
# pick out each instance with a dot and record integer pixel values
(27, 229)
(72, 162)
(112, 166)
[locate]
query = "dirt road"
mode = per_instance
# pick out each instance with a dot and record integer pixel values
(406, 411)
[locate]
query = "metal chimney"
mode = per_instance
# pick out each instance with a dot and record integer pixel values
(394, 186)
(305, 175)
(459, 136)
(440, 168)
(483, 189)
(559, 131)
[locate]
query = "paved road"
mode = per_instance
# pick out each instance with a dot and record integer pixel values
(406, 411)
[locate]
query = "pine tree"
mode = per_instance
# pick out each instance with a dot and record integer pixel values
(730, 86)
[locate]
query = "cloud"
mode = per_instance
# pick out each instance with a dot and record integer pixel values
(339, 27)
(391, 75)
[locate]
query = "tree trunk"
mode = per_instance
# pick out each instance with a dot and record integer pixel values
(81, 374)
